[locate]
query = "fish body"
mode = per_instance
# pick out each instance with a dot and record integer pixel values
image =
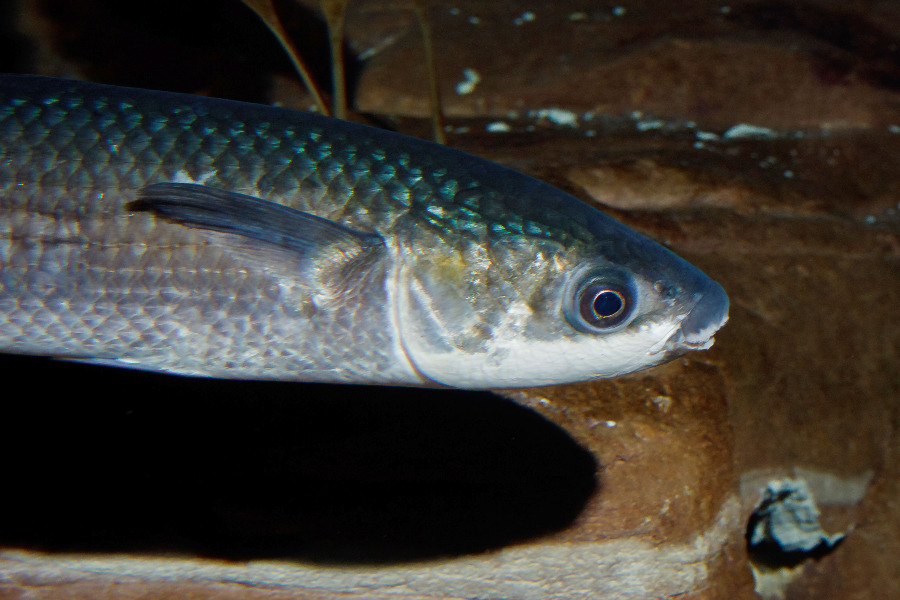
(215, 238)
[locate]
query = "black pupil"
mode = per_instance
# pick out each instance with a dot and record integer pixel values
(607, 304)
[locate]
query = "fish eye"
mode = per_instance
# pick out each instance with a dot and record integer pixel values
(602, 305)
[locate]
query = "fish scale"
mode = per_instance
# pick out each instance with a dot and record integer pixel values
(207, 237)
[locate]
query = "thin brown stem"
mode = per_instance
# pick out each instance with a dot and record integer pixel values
(437, 108)
(266, 11)
(335, 11)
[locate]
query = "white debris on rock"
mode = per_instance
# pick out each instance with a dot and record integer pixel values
(558, 116)
(471, 79)
(789, 518)
(743, 130)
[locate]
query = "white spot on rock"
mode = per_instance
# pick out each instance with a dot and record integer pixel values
(648, 125)
(526, 17)
(743, 130)
(556, 115)
(788, 517)
(663, 403)
(467, 85)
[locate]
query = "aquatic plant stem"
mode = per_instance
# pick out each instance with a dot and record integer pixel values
(335, 11)
(437, 109)
(266, 11)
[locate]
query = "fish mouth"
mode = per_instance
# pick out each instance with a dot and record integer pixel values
(705, 319)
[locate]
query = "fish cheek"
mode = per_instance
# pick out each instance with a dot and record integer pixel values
(548, 322)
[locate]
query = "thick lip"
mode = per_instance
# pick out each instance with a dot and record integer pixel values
(705, 319)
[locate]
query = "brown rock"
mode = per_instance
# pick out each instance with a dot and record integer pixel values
(808, 355)
(684, 61)
(664, 446)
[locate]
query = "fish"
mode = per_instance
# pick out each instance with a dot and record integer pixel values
(207, 237)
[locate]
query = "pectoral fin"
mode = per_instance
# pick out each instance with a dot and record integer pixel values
(252, 218)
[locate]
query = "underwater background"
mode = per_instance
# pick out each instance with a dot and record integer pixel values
(759, 140)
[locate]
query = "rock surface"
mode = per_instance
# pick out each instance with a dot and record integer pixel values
(759, 141)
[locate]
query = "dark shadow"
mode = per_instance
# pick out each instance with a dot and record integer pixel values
(111, 460)
(772, 556)
(212, 47)
(16, 51)
(201, 46)
(845, 46)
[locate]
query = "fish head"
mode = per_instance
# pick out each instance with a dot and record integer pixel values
(519, 307)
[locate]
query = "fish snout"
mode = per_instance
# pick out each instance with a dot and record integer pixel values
(708, 316)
